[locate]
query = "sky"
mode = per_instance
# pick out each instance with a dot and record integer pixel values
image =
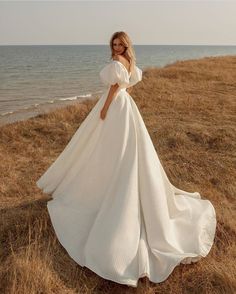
(93, 22)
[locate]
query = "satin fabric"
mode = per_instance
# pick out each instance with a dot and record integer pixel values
(113, 207)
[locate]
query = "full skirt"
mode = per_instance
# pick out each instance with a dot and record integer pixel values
(114, 209)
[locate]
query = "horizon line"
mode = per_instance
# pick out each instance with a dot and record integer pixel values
(108, 44)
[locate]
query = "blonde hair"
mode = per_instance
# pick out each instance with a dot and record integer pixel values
(129, 51)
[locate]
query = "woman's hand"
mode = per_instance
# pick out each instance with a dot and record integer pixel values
(111, 93)
(103, 113)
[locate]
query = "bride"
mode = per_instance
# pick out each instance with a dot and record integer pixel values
(113, 207)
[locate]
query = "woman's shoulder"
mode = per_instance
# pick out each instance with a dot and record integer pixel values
(119, 58)
(122, 60)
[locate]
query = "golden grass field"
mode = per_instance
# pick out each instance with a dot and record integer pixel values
(189, 109)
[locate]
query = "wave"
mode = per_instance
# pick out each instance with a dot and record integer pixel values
(36, 105)
(6, 113)
(76, 97)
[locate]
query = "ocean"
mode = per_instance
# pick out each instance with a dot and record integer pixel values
(36, 78)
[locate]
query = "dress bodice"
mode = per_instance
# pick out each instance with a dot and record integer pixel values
(115, 72)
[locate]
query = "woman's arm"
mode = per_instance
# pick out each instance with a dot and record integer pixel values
(108, 101)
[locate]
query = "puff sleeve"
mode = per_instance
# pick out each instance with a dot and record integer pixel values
(113, 73)
(136, 76)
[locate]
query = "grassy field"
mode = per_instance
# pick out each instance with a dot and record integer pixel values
(189, 109)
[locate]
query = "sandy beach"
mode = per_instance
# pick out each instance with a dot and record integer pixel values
(189, 110)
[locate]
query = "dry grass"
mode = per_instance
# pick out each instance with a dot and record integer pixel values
(189, 110)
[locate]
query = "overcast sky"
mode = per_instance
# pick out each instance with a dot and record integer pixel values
(93, 22)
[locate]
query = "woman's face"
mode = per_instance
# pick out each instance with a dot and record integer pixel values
(118, 47)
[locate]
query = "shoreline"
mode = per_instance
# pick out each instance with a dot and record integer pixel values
(25, 114)
(32, 111)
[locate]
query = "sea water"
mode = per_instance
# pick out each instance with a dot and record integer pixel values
(38, 77)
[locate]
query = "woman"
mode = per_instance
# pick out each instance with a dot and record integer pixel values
(113, 209)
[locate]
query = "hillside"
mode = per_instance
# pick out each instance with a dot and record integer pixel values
(189, 109)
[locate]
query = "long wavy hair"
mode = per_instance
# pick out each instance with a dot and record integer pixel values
(129, 51)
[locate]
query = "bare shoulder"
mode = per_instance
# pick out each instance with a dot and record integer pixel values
(121, 59)
(116, 57)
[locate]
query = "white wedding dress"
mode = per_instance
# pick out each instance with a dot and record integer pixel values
(113, 209)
